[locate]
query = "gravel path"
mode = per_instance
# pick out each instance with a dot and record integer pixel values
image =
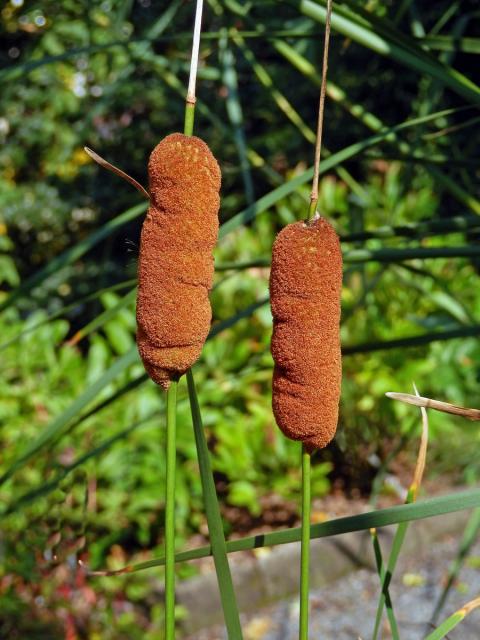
(345, 610)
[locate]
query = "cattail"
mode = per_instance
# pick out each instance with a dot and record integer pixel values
(176, 263)
(305, 288)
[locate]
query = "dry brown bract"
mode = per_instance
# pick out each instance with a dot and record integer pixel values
(305, 289)
(176, 263)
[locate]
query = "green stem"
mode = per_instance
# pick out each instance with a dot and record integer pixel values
(189, 118)
(305, 545)
(170, 514)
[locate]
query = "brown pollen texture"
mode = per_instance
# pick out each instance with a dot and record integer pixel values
(175, 268)
(305, 290)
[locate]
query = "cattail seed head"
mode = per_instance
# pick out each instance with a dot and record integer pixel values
(175, 268)
(305, 289)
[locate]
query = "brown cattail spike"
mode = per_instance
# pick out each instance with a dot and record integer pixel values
(176, 263)
(305, 289)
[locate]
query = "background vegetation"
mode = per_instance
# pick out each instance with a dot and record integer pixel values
(81, 427)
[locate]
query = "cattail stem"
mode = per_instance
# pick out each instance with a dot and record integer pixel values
(189, 118)
(172, 390)
(318, 145)
(170, 513)
(305, 545)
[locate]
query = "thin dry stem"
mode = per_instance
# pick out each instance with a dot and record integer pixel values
(470, 606)
(318, 144)
(195, 51)
(106, 165)
(422, 453)
(446, 407)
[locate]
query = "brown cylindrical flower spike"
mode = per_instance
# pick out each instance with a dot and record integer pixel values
(305, 289)
(175, 269)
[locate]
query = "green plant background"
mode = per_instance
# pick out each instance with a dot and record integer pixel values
(112, 75)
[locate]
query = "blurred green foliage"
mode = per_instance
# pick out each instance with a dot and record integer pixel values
(112, 75)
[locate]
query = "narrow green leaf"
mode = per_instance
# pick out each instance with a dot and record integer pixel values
(413, 341)
(386, 574)
(49, 486)
(66, 309)
(235, 114)
(72, 411)
(420, 229)
(265, 202)
(392, 44)
(446, 626)
(375, 519)
(386, 593)
(72, 254)
(214, 520)
(452, 45)
(356, 256)
(470, 536)
(373, 122)
(104, 317)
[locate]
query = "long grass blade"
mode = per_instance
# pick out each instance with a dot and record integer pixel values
(214, 520)
(418, 230)
(387, 574)
(235, 114)
(455, 619)
(412, 341)
(358, 256)
(265, 202)
(66, 309)
(386, 593)
(372, 32)
(469, 538)
(73, 254)
(69, 418)
(361, 522)
(72, 412)
(451, 44)
(49, 486)
(103, 317)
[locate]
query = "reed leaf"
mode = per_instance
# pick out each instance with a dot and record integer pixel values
(103, 317)
(376, 34)
(66, 421)
(66, 309)
(374, 123)
(59, 423)
(455, 619)
(51, 485)
(214, 520)
(470, 536)
(235, 114)
(74, 253)
(452, 503)
(265, 202)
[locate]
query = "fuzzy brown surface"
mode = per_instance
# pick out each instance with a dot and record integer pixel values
(175, 268)
(305, 290)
